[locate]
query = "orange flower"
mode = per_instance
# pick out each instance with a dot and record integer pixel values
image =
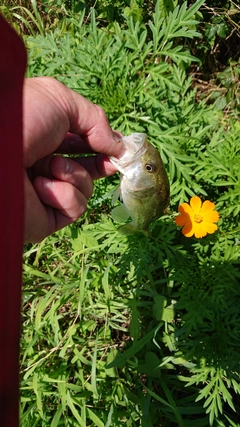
(197, 218)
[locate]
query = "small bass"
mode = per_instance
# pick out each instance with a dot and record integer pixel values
(144, 186)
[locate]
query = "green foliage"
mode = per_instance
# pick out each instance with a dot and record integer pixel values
(221, 32)
(25, 18)
(131, 77)
(138, 330)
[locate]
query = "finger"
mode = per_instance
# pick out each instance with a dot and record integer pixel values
(51, 110)
(36, 223)
(66, 201)
(41, 168)
(91, 121)
(63, 169)
(98, 166)
(75, 144)
(68, 170)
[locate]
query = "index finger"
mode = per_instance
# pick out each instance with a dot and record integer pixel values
(51, 110)
(76, 144)
(90, 122)
(98, 166)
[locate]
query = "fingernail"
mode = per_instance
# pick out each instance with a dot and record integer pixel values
(117, 136)
(47, 183)
(68, 166)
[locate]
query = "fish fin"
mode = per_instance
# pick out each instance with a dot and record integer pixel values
(120, 213)
(116, 195)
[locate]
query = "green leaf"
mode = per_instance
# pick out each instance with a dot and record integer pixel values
(121, 359)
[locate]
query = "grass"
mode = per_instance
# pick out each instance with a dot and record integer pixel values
(142, 331)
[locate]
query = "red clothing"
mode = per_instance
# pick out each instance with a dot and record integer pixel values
(12, 69)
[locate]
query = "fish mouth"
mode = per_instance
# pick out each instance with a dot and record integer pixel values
(132, 150)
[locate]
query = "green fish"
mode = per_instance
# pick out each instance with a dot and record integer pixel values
(144, 186)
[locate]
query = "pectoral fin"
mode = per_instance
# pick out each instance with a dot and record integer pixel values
(120, 214)
(116, 196)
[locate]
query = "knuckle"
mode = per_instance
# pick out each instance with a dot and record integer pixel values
(101, 114)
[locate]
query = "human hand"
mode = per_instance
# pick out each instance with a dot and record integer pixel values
(58, 120)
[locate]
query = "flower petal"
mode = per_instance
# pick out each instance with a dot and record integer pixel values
(197, 218)
(210, 227)
(185, 208)
(188, 229)
(182, 219)
(196, 204)
(200, 230)
(207, 206)
(211, 216)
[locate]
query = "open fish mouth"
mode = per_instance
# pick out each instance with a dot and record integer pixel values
(133, 148)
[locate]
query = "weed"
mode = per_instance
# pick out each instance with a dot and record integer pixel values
(138, 330)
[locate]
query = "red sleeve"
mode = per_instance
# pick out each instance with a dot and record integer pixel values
(12, 68)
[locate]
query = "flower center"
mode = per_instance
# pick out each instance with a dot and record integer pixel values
(198, 218)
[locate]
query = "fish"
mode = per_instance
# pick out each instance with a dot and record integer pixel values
(144, 186)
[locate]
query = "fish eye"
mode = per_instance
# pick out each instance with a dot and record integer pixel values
(149, 167)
